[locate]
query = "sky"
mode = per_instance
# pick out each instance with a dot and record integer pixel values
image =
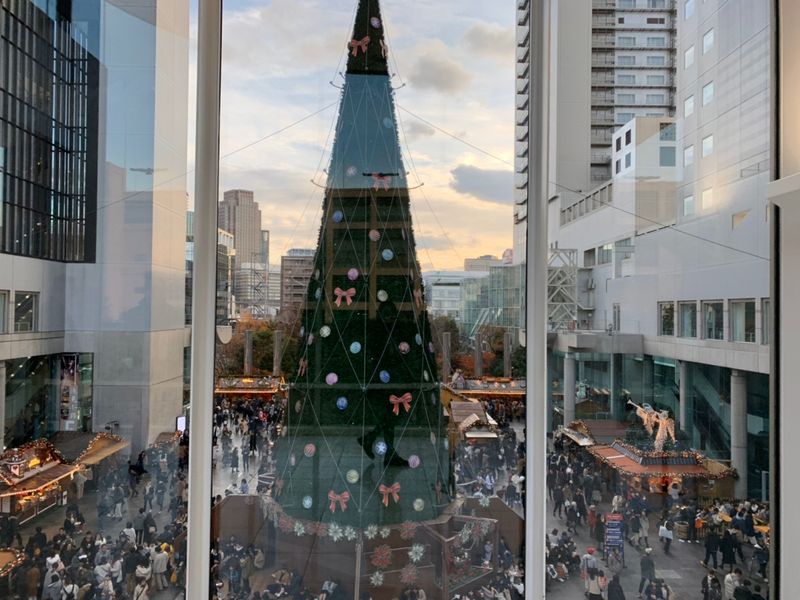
(453, 66)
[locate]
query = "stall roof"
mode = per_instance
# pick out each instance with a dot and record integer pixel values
(680, 465)
(481, 434)
(461, 411)
(87, 448)
(39, 480)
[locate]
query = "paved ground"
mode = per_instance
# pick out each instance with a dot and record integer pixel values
(681, 569)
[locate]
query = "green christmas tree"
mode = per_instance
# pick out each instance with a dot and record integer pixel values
(365, 442)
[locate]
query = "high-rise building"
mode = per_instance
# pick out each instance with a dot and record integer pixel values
(240, 215)
(611, 61)
(672, 255)
(482, 263)
(92, 284)
(273, 290)
(297, 265)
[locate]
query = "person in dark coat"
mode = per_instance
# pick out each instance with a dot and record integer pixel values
(648, 570)
(710, 587)
(728, 549)
(615, 589)
(712, 547)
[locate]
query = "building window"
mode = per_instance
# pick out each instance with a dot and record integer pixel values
(617, 166)
(666, 132)
(688, 106)
(688, 57)
(687, 315)
(656, 42)
(615, 317)
(3, 311)
(656, 79)
(656, 3)
(688, 9)
(708, 93)
(618, 143)
(713, 320)
(626, 98)
(623, 118)
(708, 40)
(765, 321)
(627, 160)
(626, 3)
(666, 318)
(738, 218)
(688, 156)
(666, 156)
(688, 206)
(604, 254)
(626, 61)
(743, 320)
(708, 145)
(26, 305)
(589, 257)
(626, 79)
(707, 199)
(656, 61)
(628, 137)
(626, 41)
(655, 99)
(656, 20)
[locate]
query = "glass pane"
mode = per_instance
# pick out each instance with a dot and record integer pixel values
(94, 114)
(369, 435)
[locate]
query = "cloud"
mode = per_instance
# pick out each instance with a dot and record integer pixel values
(438, 73)
(416, 130)
(488, 39)
(491, 185)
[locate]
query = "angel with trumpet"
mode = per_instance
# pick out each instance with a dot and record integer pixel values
(650, 418)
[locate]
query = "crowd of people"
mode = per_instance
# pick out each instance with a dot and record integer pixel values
(576, 488)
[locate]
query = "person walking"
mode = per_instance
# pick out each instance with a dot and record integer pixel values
(594, 585)
(712, 546)
(644, 529)
(710, 587)
(648, 570)
(726, 546)
(730, 583)
(665, 533)
(614, 591)
(160, 561)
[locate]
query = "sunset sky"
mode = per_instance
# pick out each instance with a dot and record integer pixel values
(456, 59)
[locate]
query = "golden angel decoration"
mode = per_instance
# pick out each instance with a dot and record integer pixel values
(652, 418)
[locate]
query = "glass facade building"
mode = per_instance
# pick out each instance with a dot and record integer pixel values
(48, 133)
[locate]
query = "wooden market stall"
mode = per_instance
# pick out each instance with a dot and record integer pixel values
(32, 479)
(654, 473)
(468, 421)
(237, 388)
(97, 453)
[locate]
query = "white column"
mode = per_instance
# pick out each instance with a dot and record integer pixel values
(683, 383)
(570, 369)
(209, 69)
(739, 431)
(2, 404)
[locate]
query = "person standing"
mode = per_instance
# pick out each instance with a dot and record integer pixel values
(726, 546)
(159, 560)
(594, 586)
(712, 546)
(710, 587)
(614, 591)
(648, 570)
(730, 583)
(644, 529)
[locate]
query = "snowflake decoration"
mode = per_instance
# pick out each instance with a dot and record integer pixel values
(409, 574)
(299, 528)
(371, 532)
(385, 531)
(408, 529)
(484, 501)
(465, 533)
(350, 533)
(382, 556)
(376, 579)
(416, 552)
(335, 531)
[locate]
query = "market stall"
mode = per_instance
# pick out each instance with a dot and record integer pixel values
(469, 422)
(32, 479)
(98, 453)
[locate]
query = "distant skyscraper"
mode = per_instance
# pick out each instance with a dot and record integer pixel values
(482, 263)
(296, 268)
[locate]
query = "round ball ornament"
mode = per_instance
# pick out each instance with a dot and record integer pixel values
(292, 460)
(374, 235)
(426, 376)
(351, 171)
(324, 331)
(431, 348)
(419, 505)
(331, 378)
(352, 274)
(352, 476)
(413, 461)
(383, 295)
(404, 347)
(309, 450)
(310, 339)
(375, 22)
(318, 293)
(298, 406)
(380, 448)
(387, 122)
(355, 348)
(387, 254)
(341, 403)
(307, 502)
(338, 216)
(384, 376)
(418, 339)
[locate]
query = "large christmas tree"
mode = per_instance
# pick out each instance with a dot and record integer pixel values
(365, 443)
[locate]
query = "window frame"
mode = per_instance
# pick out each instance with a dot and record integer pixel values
(689, 197)
(732, 329)
(688, 57)
(708, 98)
(707, 145)
(688, 102)
(4, 312)
(662, 330)
(34, 297)
(681, 333)
(708, 41)
(688, 155)
(704, 314)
